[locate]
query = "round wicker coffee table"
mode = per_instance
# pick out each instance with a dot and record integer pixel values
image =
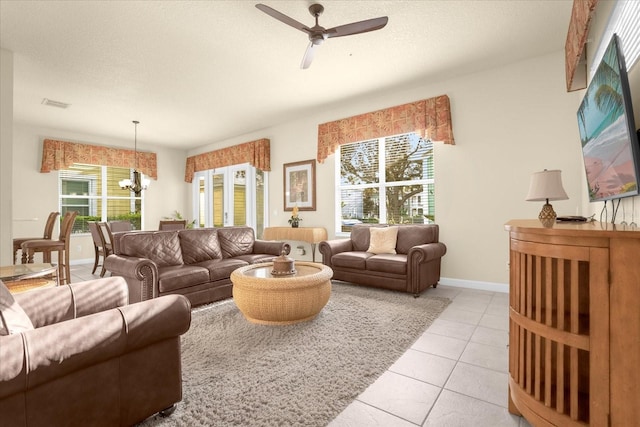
(281, 300)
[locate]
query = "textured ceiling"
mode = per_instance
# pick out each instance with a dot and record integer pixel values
(197, 72)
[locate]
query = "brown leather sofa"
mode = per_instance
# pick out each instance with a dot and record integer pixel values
(83, 356)
(196, 263)
(413, 268)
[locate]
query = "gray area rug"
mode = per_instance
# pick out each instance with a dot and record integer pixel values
(236, 373)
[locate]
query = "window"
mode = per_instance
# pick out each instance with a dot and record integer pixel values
(94, 192)
(623, 21)
(389, 178)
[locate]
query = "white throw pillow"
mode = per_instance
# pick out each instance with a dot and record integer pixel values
(13, 319)
(383, 240)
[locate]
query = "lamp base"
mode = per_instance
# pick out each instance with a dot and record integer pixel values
(547, 215)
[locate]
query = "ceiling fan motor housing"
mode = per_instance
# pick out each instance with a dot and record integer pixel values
(316, 9)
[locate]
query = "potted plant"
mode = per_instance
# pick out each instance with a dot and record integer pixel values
(295, 219)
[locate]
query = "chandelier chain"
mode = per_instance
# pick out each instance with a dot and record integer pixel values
(135, 143)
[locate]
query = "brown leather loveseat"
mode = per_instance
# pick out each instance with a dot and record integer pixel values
(79, 354)
(410, 261)
(196, 263)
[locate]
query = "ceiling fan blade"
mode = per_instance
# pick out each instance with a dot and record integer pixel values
(308, 55)
(357, 27)
(283, 18)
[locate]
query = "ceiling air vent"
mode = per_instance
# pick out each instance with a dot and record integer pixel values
(52, 103)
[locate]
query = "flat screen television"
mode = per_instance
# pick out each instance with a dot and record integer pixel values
(610, 146)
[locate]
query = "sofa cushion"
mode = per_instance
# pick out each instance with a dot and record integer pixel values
(383, 240)
(177, 277)
(13, 319)
(361, 234)
(200, 244)
(161, 247)
(388, 263)
(220, 269)
(414, 235)
(351, 259)
(236, 241)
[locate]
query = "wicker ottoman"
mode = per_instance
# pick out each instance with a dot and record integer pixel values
(281, 300)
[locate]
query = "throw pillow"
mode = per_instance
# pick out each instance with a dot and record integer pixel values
(13, 319)
(383, 240)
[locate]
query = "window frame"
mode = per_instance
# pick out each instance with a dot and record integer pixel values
(381, 185)
(94, 200)
(620, 21)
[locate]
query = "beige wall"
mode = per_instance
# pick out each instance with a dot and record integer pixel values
(508, 122)
(6, 148)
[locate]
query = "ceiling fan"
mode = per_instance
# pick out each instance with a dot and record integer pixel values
(318, 34)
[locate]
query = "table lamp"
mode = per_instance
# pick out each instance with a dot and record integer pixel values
(546, 185)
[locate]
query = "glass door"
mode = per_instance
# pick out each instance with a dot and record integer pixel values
(218, 213)
(229, 196)
(239, 197)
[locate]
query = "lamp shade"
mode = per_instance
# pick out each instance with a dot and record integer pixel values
(546, 185)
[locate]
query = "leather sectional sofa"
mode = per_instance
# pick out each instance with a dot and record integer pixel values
(79, 354)
(410, 264)
(196, 263)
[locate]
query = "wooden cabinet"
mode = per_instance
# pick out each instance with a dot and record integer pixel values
(574, 323)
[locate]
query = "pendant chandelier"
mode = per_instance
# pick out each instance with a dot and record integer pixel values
(138, 184)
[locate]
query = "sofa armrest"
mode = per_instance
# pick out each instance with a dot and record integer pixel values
(427, 252)
(270, 247)
(47, 306)
(151, 321)
(423, 266)
(80, 343)
(141, 275)
(329, 248)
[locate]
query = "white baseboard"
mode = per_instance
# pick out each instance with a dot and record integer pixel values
(82, 261)
(474, 284)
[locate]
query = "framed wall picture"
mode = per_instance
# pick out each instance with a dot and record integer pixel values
(300, 185)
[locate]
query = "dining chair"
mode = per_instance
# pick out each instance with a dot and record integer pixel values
(118, 226)
(172, 224)
(48, 234)
(60, 246)
(101, 247)
(108, 234)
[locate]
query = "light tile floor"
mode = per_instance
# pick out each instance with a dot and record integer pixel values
(455, 374)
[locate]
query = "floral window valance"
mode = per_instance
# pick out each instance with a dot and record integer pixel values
(256, 153)
(59, 155)
(430, 118)
(575, 63)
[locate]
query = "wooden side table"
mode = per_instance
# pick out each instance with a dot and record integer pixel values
(311, 235)
(24, 277)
